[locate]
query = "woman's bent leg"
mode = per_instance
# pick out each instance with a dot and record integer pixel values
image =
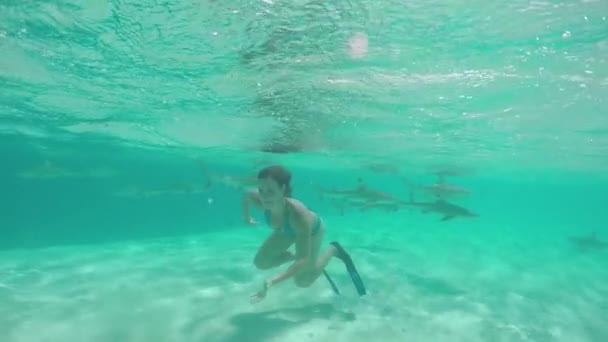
(273, 251)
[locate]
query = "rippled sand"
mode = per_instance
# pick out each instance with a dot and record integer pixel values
(460, 281)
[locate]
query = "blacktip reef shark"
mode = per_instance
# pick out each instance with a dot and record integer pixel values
(172, 190)
(390, 205)
(48, 170)
(589, 242)
(361, 191)
(240, 183)
(361, 196)
(450, 170)
(384, 168)
(448, 210)
(363, 205)
(442, 171)
(439, 190)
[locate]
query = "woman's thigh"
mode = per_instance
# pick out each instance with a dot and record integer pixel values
(276, 244)
(315, 249)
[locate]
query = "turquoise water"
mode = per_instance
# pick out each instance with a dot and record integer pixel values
(121, 122)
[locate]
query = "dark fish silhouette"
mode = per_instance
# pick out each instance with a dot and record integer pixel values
(448, 210)
(439, 190)
(590, 242)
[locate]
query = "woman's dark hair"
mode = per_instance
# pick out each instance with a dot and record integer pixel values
(280, 175)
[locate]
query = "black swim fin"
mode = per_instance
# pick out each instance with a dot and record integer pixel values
(331, 282)
(350, 267)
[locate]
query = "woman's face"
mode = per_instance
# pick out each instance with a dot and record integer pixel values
(271, 194)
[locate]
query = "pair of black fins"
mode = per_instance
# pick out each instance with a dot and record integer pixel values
(350, 267)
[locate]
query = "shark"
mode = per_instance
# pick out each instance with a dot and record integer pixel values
(443, 171)
(446, 170)
(386, 205)
(172, 190)
(440, 189)
(364, 204)
(358, 193)
(235, 182)
(49, 170)
(441, 206)
(361, 197)
(590, 242)
(384, 168)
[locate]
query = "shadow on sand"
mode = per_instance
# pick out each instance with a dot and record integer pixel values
(262, 326)
(433, 286)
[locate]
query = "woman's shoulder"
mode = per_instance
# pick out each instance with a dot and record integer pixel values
(296, 205)
(298, 210)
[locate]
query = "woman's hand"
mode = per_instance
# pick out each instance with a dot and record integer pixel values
(261, 294)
